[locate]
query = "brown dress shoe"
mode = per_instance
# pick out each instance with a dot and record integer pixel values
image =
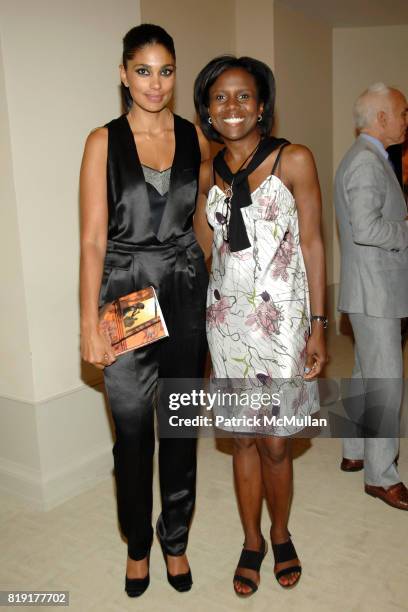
(352, 465)
(396, 495)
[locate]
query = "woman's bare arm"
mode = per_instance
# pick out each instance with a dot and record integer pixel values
(94, 221)
(202, 230)
(300, 171)
(205, 149)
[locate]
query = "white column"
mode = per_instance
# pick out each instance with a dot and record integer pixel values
(58, 80)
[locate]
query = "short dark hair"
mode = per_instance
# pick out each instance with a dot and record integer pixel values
(265, 84)
(139, 37)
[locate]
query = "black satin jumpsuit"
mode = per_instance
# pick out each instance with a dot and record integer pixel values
(171, 260)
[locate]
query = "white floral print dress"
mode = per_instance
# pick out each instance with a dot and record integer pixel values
(258, 306)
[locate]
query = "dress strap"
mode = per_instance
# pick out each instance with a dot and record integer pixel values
(277, 159)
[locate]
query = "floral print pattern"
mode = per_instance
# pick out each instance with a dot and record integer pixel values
(266, 317)
(258, 303)
(283, 257)
(217, 312)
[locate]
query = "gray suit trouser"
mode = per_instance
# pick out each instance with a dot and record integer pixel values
(378, 355)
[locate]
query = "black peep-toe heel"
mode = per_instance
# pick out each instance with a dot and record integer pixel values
(180, 582)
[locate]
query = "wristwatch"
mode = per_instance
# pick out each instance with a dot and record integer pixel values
(321, 318)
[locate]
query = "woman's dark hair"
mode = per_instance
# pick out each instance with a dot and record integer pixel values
(265, 84)
(139, 37)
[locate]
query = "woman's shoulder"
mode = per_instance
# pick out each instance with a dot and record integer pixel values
(96, 144)
(188, 125)
(183, 120)
(297, 164)
(116, 120)
(196, 133)
(97, 137)
(297, 153)
(184, 128)
(204, 144)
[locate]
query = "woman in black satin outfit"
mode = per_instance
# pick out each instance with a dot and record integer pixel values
(139, 181)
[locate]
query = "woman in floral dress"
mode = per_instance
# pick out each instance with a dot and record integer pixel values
(265, 305)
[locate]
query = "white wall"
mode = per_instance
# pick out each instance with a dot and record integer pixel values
(60, 63)
(60, 80)
(15, 359)
(362, 56)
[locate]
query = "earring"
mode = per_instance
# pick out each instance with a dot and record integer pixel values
(209, 120)
(260, 118)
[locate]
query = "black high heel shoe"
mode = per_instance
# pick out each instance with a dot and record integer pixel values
(180, 582)
(135, 587)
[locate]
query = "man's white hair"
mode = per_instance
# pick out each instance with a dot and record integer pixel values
(369, 103)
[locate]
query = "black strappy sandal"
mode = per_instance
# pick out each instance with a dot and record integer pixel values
(286, 552)
(252, 560)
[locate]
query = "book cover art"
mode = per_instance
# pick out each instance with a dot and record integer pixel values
(133, 321)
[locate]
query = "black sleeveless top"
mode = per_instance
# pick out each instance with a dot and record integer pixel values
(130, 219)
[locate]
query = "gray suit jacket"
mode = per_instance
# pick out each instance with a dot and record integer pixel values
(370, 210)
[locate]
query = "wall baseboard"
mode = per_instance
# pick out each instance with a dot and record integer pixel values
(54, 450)
(78, 477)
(21, 481)
(27, 484)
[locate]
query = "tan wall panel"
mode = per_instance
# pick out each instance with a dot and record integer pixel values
(201, 31)
(254, 22)
(303, 70)
(362, 56)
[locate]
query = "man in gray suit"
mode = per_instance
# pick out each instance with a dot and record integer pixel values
(371, 214)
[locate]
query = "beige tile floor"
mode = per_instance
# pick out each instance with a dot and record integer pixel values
(353, 547)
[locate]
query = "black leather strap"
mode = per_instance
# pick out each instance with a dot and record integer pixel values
(247, 581)
(251, 559)
(284, 552)
(294, 569)
(277, 160)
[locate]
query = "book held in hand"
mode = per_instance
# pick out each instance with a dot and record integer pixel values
(133, 320)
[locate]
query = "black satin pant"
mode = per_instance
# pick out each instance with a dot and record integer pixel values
(178, 273)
